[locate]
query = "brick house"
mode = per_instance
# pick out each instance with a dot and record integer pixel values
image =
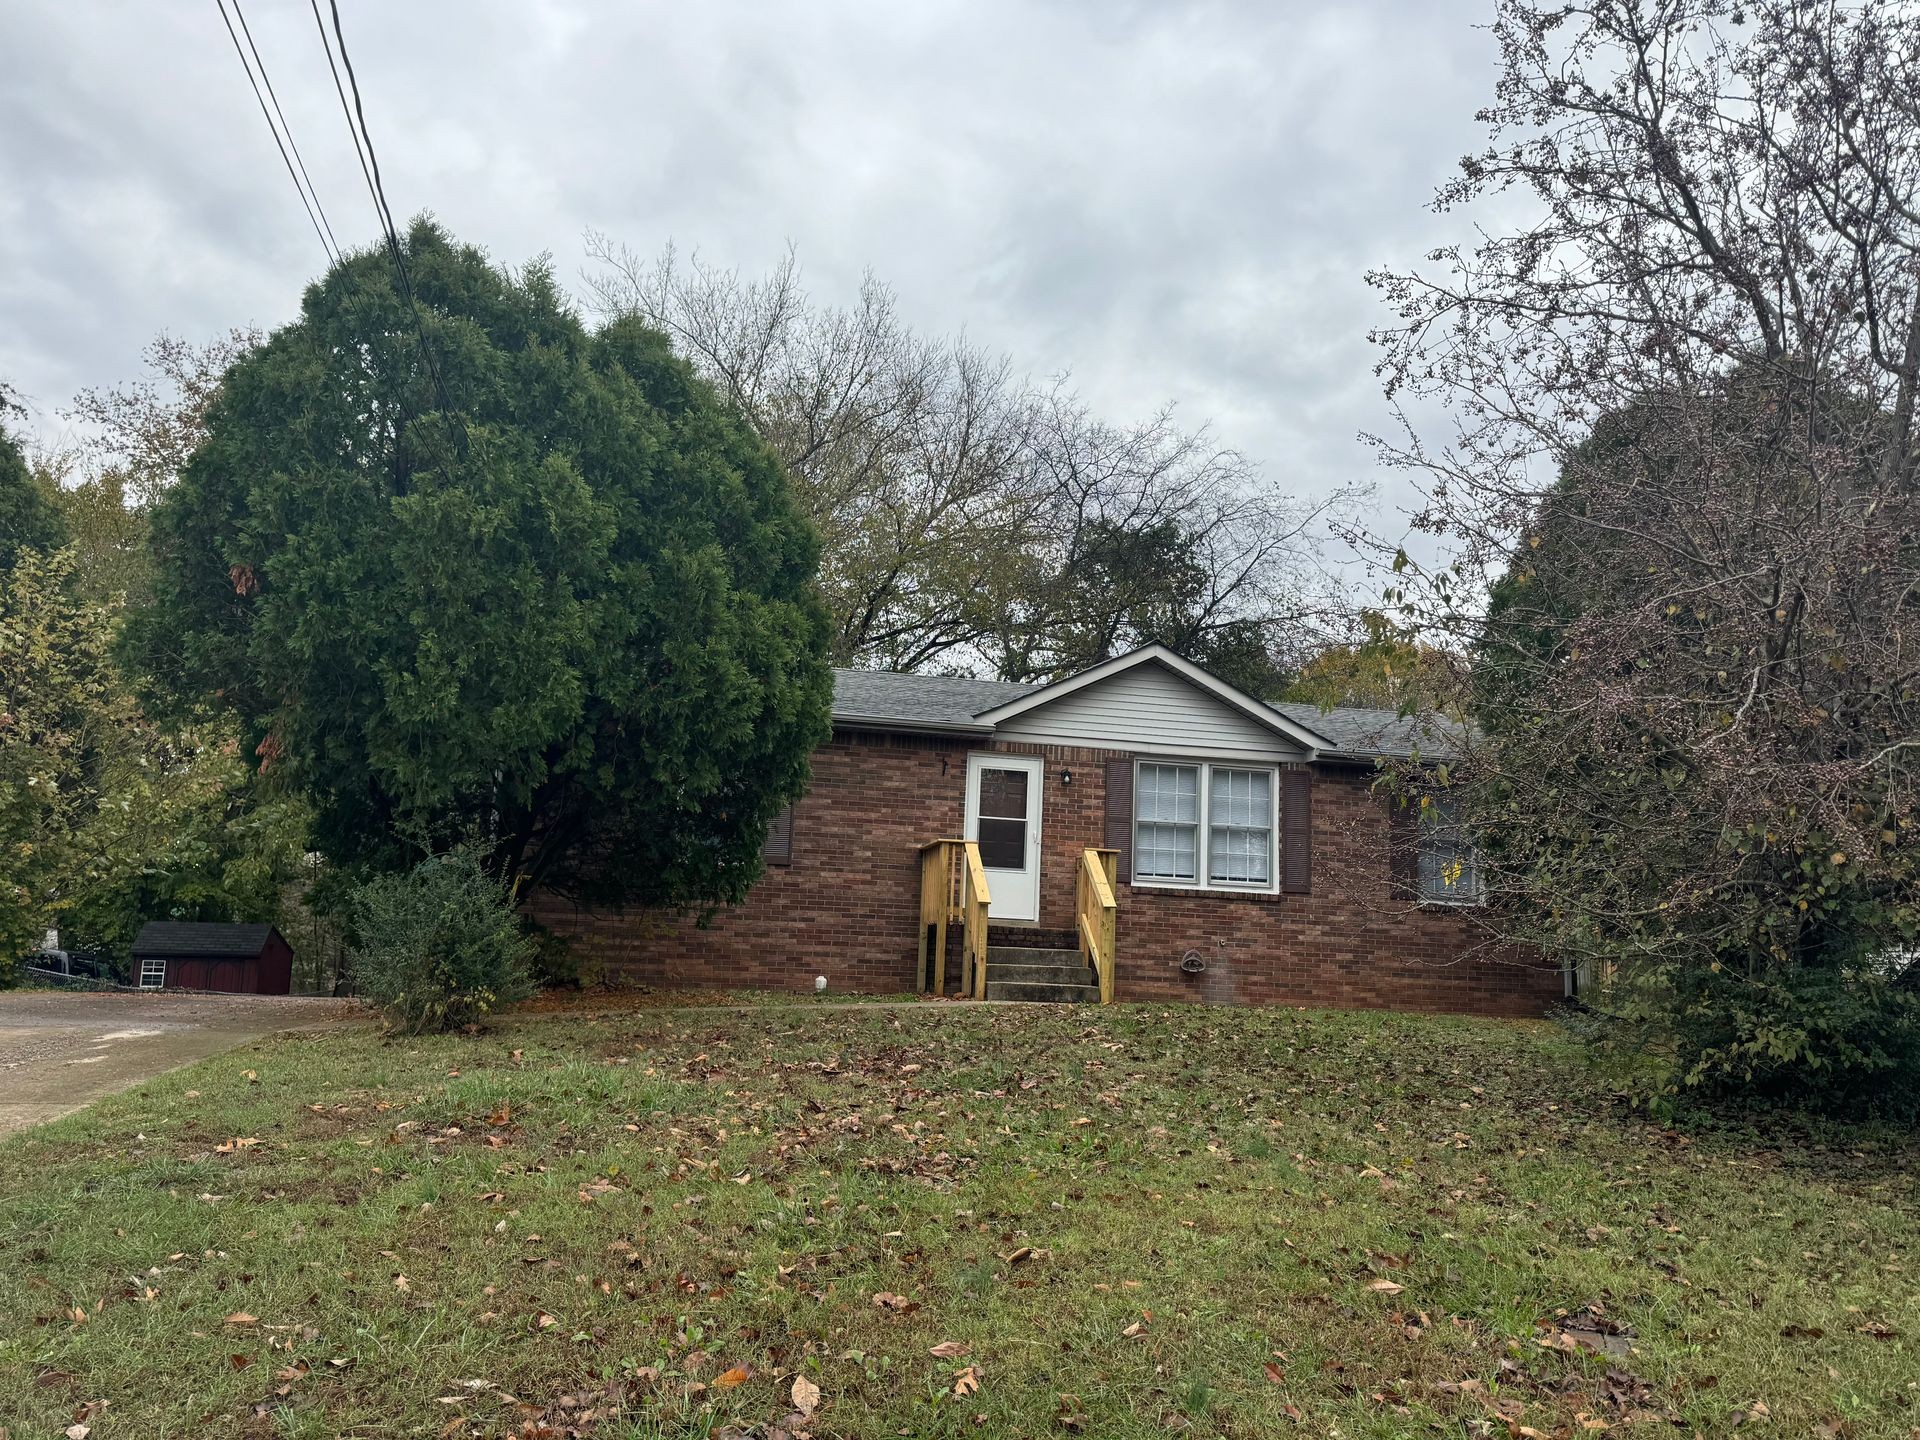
(1244, 856)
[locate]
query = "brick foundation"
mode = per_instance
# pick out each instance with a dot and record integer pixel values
(847, 906)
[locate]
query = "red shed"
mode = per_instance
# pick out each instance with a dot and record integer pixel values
(196, 955)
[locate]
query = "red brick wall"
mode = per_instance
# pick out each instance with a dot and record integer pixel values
(848, 905)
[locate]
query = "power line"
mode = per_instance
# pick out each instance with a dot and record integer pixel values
(346, 109)
(325, 235)
(292, 144)
(370, 166)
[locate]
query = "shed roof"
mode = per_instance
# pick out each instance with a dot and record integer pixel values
(197, 937)
(883, 699)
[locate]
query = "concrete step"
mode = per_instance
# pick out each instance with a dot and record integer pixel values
(1031, 955)
(1074, 974)
(1031, 937)
(1044, 994)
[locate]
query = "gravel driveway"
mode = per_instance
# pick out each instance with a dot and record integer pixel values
(61, 1049)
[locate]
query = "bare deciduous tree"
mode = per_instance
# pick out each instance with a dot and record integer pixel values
(1683, 469)
(972, 518)
(147, 429)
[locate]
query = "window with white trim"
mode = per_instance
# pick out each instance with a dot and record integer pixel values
(1449, 867)
(1210, 827)
(153, 972)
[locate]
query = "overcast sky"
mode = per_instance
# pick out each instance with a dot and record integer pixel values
(1171, 202)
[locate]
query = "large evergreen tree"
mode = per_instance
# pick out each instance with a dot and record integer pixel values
(468, 570)
(29, 518)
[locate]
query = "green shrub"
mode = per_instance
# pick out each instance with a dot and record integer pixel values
(439, 946)
(554, 966)
(1843, 1041)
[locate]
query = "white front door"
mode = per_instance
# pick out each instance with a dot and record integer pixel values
(1003, 814)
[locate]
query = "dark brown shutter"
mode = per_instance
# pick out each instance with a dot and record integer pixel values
(1403, 845)
(1296, 832)
(777, 848)
(1120, 815)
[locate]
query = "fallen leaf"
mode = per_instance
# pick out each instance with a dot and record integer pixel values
(78, 1432)
(727, 1379)
(241, 1317)
(948, 1350)
(1385, 1287)
(806, 1395)
(239, 1362)
(967, 1381)
(1275, 1373)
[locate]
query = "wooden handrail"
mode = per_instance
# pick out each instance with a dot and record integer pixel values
(973, 936)
(953, 886)
(1097, 915)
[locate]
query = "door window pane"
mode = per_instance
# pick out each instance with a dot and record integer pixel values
(1239, 822)
(1003, 843)
(1004, 793)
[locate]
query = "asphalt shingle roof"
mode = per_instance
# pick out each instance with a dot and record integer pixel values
(918, 699)
(1388, 733)
(195, 937)
(882, 697)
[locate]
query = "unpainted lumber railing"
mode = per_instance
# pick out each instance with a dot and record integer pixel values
(953, 887)
(1097, 916)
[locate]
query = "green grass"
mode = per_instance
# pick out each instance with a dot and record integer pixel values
(610, 1211)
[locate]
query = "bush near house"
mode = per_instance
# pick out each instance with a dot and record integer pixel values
(439, 946)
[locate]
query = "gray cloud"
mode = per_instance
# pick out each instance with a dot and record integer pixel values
(1168, 201)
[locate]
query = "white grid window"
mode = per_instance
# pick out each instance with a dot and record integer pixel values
(1240, 827)
(1449, 869)
(1207, 826)
(1166, 842)
(153, 972)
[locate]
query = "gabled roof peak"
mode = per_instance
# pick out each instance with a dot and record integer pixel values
(1258, 711)
(961, 705)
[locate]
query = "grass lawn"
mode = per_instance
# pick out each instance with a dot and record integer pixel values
(952, 1221)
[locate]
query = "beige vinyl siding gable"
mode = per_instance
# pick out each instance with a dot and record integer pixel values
(1149, 710)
